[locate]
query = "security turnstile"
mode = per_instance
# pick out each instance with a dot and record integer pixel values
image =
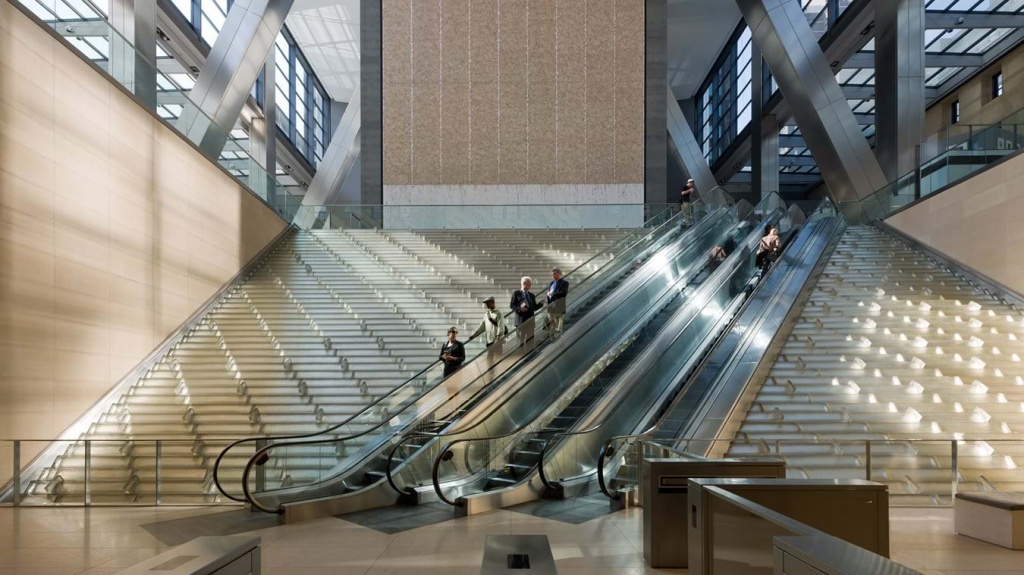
(664, 500)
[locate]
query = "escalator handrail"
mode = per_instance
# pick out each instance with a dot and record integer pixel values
(553, 439)
(629, 239)
(645, 438)
(501, 404)
(604, 449)
(520, 429)
(446, 452)
(729, 369)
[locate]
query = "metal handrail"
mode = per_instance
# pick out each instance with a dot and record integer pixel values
(447, 449)
(607, 451)
(275, 440)
(444, 454)
(597, 426)
(772, 446)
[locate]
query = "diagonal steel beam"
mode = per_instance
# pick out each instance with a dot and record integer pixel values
(842, 41)
(339, 159)
(230, 71)
(781, 31)
(690, 154)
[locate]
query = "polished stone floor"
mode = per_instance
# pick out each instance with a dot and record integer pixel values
(102, 541)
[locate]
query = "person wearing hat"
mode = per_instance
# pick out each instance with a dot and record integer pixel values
(453, 353)
(492, 325)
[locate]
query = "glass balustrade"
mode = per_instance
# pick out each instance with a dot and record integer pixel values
(575, 454)
(920, 471)
(473, 457)
(951, 155)
(428, 396)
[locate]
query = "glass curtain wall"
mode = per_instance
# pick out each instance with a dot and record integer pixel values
(303, 111)
(724, 100)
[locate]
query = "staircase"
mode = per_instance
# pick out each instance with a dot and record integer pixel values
(326, 323)
(895, 360)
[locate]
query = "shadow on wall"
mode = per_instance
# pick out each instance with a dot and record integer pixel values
(113, 230)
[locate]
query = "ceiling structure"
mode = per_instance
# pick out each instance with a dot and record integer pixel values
(698, 30)
(328, 33)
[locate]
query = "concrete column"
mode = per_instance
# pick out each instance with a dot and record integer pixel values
(656, 82)
(764, 150)
(690, 153)
(899, 84)
(263, 138)
(230, 70)
(783, 35)
(133, 54)
(372, 105)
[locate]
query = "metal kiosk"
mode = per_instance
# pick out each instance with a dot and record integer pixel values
(665, 500)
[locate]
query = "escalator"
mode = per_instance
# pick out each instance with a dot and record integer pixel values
(689, 424)
(349, 452)
(502, 448)
(525, 457)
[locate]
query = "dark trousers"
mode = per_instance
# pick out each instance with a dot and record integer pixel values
(450, 368)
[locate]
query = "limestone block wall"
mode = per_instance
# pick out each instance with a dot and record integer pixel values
(976, 103)
(976, 223)
(113, 230)
(515, 92)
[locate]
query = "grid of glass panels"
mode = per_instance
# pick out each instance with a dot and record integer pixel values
(303, 111)
(724, 100)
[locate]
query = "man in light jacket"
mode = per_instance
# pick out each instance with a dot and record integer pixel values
(492, 326)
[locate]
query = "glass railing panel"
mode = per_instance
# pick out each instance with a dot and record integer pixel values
(579, 455)
(429, 395)
(542, 391)
(529, 439)
(524, 216)
(949, 156)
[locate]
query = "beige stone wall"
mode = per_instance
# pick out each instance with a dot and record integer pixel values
(976, 223)
(513, 91)
(976, 104)
(113, 230)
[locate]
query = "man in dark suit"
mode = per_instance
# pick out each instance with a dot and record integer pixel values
(557, 290)
(524, 305)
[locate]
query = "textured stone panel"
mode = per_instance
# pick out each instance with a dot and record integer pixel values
(426, 45)
(542, 41)
(455, 41)
(602, 17)
(513, 34)
(426, 133)
(601, 133)
(571, 132)
(483, 18)
(571, 32)
(484, 75)
(542, 133)
(484, 136)
(397, 51)
(455, 133)
(513, 135)
(397, 133)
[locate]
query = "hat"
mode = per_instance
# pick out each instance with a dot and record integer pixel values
(489, 299)
(453, 328)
